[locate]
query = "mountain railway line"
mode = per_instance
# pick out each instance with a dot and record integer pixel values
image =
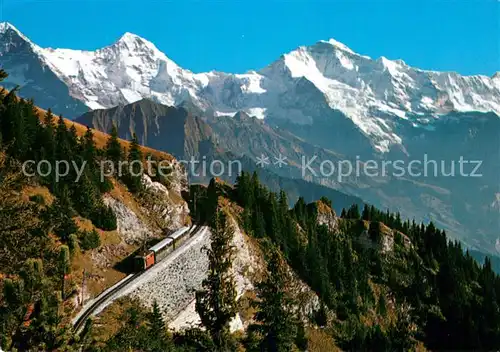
(159, 252)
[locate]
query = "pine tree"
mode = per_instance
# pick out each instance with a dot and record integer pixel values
(375, 232)
(89, 239)
(86, 196)
(19, 136)
(382, 305)
(277, 323)
(62, 140)
(73, 245)
(157, 333)
(343, 214)
(216, 301)
(114, 151)
(135, 170)
(61, 215)
(301, 340)
(64, 265)
(156, 323)
(88, 146)
(32, 276)
(272, 220)
(73, 142)
(321, 317)
(366, 213)
(353, 212)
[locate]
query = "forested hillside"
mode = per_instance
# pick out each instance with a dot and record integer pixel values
(50, 223)
(385, 283)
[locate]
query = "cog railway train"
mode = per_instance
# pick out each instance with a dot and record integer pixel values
(156, 253)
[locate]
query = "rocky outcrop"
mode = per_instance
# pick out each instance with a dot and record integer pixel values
(166, 207)
(129, 226)
(326, 215)
(157, 210)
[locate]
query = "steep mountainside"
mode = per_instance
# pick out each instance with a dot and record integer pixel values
(157, 126)
(452, 202)
(179, 132)
(67, 236)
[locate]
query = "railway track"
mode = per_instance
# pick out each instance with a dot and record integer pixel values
(80, 321)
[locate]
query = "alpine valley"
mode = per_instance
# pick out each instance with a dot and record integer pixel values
(323, 102)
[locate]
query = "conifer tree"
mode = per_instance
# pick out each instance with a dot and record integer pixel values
(114, 151)
(343, 214)
(19, 137)
(64, 265)
(73, 143)
(216, 301)
(353, 212)
(32, 276)
(277, 322)
(62, 140)
(272, 219)
(157, 333)
(366, 215)
(135, 169)
(88, 146)
(86, 197)
(46, 143)
(156, 323)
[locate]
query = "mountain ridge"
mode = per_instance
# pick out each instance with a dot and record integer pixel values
(453, 203)
(376, 95)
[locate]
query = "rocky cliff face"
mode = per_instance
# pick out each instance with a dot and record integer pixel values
(159, 210)
(326, 216)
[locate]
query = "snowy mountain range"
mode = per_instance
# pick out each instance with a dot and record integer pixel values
(378, 96)
(322, 100)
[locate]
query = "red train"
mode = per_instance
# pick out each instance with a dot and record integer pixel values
(160, 250)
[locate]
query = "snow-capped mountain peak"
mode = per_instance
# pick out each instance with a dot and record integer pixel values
(339, 45)
(5, 27)
(376, 95)
(12, 39)
(135, 43)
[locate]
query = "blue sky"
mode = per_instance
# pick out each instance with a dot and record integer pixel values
(236, 36)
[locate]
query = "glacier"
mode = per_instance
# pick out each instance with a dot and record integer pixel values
(375, 94)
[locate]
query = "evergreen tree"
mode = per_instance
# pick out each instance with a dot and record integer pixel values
(88, 147)
(156, 323)
(64, 266)
(216, 301)
(301, 340)
(113, 150)
(321, 317)
(277, 322)
(353, 212)
(157, 333)
(366, 213)
(89, 239)
(61, 215)
(135, 170)
(62, 140)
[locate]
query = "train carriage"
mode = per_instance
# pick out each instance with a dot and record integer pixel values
(156, 253)
(179, 237)
(162, 249)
